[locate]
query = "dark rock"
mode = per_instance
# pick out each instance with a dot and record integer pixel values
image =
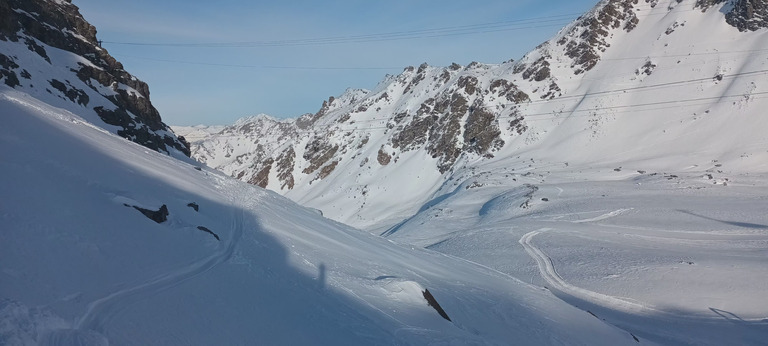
(59, 24)
(587, 40)
(318, 153)
(538, 71)
(159, 216)
(7, 73)
(261, 178)
(509, 90)
(206, 230)
(746, 15)
(481, 132)
(194, 206)
(468, 83)
(327, 170)
(285, 166)
(431, 301)
(9, 78)
(72, 93)
(383, 158)
(32, 45)
(646, 69)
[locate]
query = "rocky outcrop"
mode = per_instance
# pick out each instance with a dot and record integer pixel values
(589, 37)
(745, 15)
(285, 166)
(8, 71)
(58, 24)
(159, 216)
(749, 15)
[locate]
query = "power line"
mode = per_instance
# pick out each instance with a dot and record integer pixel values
(670, 104)
(612, 91)
(274, 67)
(519, 24)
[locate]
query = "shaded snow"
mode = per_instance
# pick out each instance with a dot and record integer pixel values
(79, 267)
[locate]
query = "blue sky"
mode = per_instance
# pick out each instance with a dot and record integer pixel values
(200, 72)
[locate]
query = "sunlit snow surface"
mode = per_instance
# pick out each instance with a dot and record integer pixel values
(675, 258)
(79, 267)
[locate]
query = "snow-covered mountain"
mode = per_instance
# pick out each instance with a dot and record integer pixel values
(604, 200)
(48, 50)
(106, 242)
(628, 82)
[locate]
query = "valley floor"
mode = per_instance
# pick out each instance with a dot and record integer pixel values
(673, 258)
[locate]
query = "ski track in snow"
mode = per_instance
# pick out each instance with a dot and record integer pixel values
(558, 284)
(604, 216)
(100, 312)
(549, 273)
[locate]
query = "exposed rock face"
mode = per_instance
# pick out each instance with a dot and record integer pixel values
(38, 24)
(749, 15)
(745, 15)
(589, 38)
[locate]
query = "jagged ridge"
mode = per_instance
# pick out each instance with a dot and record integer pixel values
(449, 118)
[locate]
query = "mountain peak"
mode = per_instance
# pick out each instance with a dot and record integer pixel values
(569, 95)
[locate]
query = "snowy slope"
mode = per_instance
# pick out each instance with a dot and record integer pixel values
(623, 168)
(676, 257)
(646, 82)
(80, 265)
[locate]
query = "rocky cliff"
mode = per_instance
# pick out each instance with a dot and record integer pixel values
(49, 50)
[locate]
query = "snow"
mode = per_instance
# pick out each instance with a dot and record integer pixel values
(79, 267)
(638, 195)
(673, 260)
(42, 72)
(614, 114)
(633, 208)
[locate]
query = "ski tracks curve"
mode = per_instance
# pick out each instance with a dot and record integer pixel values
(549, 273)
(100, 312)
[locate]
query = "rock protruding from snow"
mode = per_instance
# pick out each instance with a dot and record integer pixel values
(745, 15)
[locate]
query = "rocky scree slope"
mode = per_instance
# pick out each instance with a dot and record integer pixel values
(565, 98)
(48, 50)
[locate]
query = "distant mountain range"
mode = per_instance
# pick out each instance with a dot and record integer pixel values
(628, 81)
